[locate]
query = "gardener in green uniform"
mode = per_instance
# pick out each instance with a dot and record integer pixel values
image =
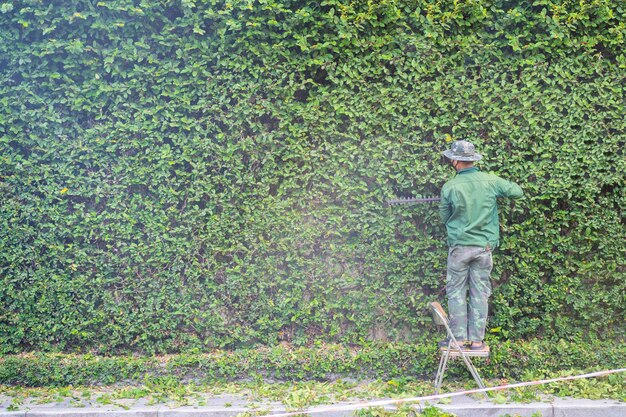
(469, 210)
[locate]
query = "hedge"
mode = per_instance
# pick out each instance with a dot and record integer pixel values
(182, 175)
(519, 360)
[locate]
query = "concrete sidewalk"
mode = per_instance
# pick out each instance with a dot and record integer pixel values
(557, 407)
(234, 405)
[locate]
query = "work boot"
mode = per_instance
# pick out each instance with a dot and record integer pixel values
(445, 342)
(479, 347)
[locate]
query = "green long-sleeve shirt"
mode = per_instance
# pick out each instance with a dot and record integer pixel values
(469, 208)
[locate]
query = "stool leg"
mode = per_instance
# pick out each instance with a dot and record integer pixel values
(470, 367)
(443, 361)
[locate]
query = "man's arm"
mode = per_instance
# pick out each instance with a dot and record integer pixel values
(445, 208)
(509, 189)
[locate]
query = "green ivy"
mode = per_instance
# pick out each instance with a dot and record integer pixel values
(209, 174)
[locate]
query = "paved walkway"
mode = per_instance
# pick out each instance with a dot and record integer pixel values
(237, 405)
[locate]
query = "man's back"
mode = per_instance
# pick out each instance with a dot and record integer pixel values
(469, 207)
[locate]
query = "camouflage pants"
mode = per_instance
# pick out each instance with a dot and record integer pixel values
(469, 267)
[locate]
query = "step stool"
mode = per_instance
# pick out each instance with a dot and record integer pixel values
(454, 350)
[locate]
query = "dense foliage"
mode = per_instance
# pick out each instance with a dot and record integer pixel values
(518, 360)
(198, 174)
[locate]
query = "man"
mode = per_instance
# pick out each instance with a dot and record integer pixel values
(469, 209)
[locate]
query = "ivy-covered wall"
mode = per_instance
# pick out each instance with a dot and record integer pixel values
(195, 174)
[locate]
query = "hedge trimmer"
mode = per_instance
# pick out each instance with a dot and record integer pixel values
(412, 200)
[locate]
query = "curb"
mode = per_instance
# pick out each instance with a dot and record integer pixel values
(557, 408)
